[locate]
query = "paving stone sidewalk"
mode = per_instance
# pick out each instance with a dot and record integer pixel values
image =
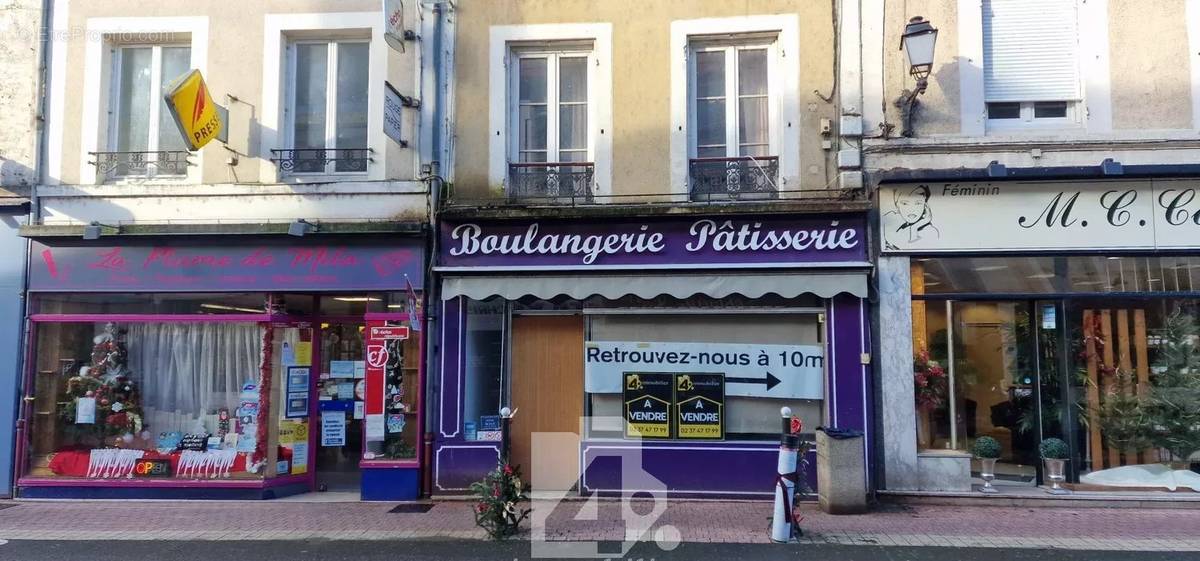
(690, 521)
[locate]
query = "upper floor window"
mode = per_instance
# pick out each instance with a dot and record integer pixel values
(732, 102)
(143, 137)
(327, 108)
(1031, 63)
(551, 152)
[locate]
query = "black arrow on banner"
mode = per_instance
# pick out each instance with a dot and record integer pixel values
(770, 381)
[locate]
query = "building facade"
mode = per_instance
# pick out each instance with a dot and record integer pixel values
(654, 239)
(240, 320)
(19, 60)
(1036, 246)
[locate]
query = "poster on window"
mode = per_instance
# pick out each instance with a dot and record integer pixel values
(333, 428)
(779, 371)
(699, 406)
(648, 397)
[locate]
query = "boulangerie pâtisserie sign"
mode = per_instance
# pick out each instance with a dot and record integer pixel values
(653, 243)
(1049, 216)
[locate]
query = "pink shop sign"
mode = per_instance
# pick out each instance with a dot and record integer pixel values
(225, 268)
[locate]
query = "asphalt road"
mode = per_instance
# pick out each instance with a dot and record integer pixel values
(413, 550)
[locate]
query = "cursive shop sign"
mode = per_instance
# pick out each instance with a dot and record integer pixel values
(1159, 214)
(629, 244)
(222, 268)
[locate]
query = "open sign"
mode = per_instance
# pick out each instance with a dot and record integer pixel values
(152, 468)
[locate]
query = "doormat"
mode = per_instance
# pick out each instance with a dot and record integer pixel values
(412, 508)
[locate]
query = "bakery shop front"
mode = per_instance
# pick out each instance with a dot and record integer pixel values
(211, 369)
(670, 343)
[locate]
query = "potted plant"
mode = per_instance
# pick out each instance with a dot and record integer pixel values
(1055, 453)
(987, 449)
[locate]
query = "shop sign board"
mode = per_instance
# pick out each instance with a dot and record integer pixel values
(1147, 214)
(779, 371)
(699, 405)
(766, 241)
(224, 268)
(196, 114)
(393, 111)
(393, 24)
(152, 468)
(389, 332)
(648, 397)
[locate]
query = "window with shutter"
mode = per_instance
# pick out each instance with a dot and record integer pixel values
(1031, 61)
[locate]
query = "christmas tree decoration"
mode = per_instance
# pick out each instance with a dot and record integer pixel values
(102, 404)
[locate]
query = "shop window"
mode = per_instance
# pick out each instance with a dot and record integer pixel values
(143, 138)
(746, 417)
(327, 108)
(483, 362)
(159, 400)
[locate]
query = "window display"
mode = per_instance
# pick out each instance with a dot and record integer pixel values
(175, 400)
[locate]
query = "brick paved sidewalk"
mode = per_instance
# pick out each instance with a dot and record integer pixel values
(728, 522)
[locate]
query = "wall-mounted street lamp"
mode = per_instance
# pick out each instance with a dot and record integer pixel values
(918, 43)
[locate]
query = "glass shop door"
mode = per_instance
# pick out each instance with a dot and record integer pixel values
(339, 394)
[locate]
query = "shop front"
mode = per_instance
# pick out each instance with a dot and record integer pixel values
(223, 368)
(1042, 311)
(647, 354)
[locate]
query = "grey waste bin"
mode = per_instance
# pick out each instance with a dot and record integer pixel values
(841, 471)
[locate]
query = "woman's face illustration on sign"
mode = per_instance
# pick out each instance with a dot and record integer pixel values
(912, 204)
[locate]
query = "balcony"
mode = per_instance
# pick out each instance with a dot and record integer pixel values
(746, 177)
(322, 160)
(551, 182)
(112, 166)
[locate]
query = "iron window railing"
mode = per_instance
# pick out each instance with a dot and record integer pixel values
(754, 177)
(317, 160)
(119, 165)
(551, 181)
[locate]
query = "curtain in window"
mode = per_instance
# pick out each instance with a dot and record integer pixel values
(186, 372)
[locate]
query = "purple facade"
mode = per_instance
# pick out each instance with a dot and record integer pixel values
(731, 468)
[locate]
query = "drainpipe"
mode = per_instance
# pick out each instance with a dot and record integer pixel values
(435, 184)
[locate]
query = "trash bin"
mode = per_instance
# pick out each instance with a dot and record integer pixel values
(841, 471)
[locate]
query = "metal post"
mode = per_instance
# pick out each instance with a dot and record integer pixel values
(782, 523)
(505, 420)
(950, 371)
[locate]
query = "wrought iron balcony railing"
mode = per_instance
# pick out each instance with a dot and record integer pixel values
(551, 181)
(732, 178)
(318, 160)
(118, 165)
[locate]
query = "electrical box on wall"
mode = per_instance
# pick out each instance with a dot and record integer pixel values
(848, 159)
(851, 125)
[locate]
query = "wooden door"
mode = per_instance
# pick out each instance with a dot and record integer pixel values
(547, 392)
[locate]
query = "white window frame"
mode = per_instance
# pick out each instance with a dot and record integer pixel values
(279, 30)
(331, 69)
(114, 99)
(784, 73)
(1027, 121)
(732, 98)
(94, 127)
(502, 41)
(551, 53)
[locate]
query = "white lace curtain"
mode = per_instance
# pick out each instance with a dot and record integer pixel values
(186, 372)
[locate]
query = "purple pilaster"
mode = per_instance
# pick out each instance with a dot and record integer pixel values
(849, 386)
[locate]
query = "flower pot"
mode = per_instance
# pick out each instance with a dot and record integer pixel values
(987, 472)
(1056, 473)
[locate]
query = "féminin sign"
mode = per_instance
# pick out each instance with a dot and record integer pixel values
(1051, 216)
(637, 244)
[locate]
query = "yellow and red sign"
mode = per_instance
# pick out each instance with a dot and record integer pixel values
(194, 110)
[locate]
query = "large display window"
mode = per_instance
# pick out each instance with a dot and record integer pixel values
(1102, 352)
(124, 399)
